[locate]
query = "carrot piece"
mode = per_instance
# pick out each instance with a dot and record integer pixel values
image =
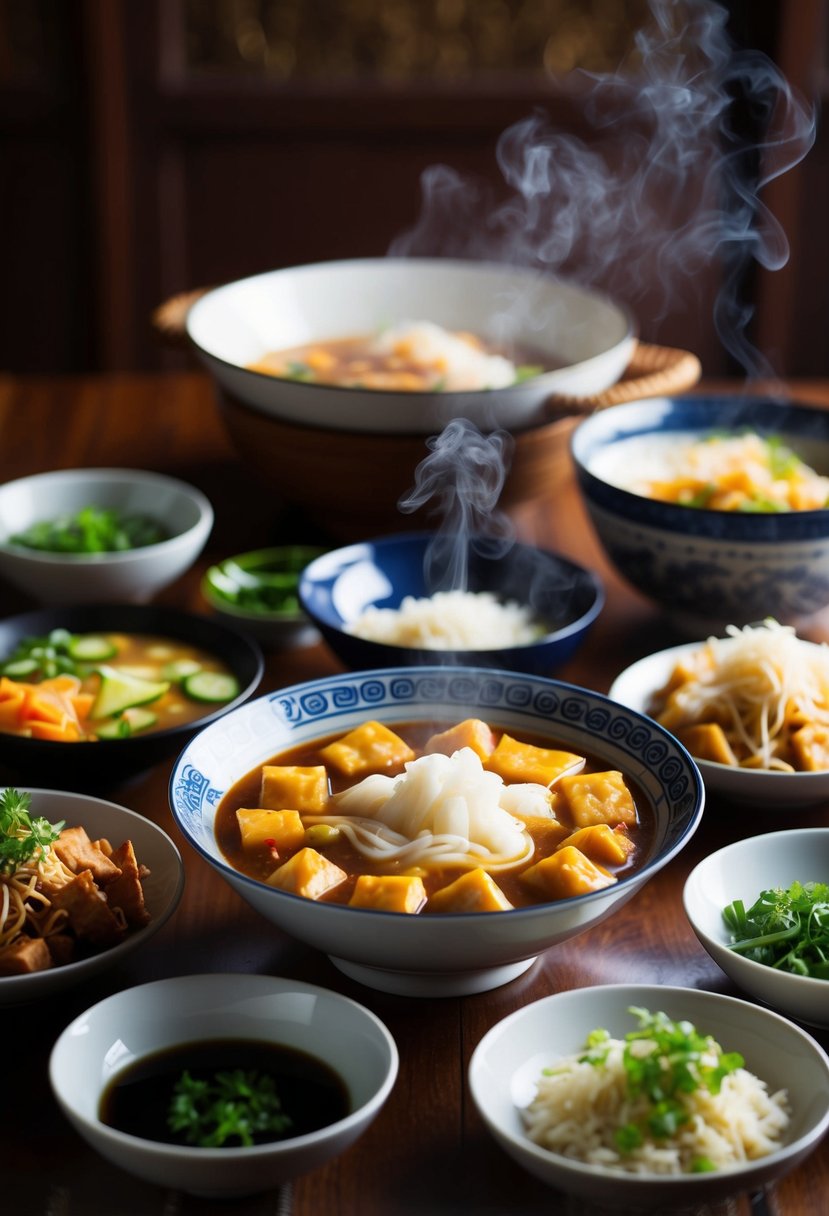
(65, 731)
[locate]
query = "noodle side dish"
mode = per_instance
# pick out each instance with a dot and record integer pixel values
(756, 699)
(63, 896)
(666, 1099)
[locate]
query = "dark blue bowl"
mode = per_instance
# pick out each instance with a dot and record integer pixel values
(707, 568)
(336, 588)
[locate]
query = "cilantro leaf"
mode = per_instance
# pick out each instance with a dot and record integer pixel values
(235, 1105)
(22, 837)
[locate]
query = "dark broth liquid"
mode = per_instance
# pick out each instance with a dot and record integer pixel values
(137, 1100)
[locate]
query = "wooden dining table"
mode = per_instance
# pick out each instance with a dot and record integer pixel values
(428, 1152)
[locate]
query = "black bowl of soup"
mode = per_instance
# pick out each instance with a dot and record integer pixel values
(96, 693)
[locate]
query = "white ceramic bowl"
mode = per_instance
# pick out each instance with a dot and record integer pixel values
(585, 334)
(162, 887)
(743, 870)
(506, 1064)
(135, 575)
(706, 569)
(437, 954)
(635, 687)
(152, 1017)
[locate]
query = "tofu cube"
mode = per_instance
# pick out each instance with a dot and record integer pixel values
(810, 745)
(389, 893)
(367, 749)
(598, 798)
(707, 741)
(602, 844)
(284, 828)
(294, 787)
(475, 891)
(470, 733)
(307, 873)
(514, 761)
(566, 873)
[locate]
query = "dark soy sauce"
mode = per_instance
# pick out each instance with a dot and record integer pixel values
(137, 1100)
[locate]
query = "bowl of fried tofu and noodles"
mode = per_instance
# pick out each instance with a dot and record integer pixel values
(435, 829)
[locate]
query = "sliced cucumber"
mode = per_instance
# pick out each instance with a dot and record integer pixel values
(19, 668)
(130, 722)
(91, 648)
(120, 691)
(179, 669)
(211, 686)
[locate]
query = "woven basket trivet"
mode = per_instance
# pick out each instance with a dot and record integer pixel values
(651, 372)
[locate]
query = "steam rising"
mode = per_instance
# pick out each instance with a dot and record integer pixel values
(665, 186)
(462, 477)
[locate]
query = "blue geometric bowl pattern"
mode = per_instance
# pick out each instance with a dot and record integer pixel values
(236, 743)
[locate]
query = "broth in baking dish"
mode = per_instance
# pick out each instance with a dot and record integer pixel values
(412, 357)
(434, 817)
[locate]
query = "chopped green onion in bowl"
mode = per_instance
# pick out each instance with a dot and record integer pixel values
(92, 529)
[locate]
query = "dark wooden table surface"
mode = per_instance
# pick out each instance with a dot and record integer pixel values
(428, 1152)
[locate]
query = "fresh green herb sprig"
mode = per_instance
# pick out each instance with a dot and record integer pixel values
(22, 836)
(236, 1106)
(784, 928)
(92, 530)
(676, 1064)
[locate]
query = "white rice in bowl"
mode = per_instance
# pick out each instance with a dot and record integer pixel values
(582, 1104)
(450, 620)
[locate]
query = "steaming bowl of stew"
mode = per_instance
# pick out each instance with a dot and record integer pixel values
(95, 693)
(714, 507)
(114, 1069)
(458, 917)
(402, 346)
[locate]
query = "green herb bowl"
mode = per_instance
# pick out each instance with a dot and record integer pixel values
(743, 870)
(131, 575)
(257, 592)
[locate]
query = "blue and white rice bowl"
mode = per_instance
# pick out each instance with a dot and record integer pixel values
(707, 569)
(436, 954)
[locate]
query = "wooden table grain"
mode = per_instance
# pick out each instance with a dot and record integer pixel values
(428, 1153)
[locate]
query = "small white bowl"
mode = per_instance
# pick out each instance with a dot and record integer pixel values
(134, 575)
(742, 871)
(636, 686)
(162, 887)
(509, 1058)
(141, 1021)
(586, 336)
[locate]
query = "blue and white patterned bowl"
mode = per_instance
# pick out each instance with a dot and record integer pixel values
(436, 954)
(707, 568)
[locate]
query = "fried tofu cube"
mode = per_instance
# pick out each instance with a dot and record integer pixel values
(125, 891)
(24, 956)
(599, 798)
(475, 891)
(307, 873)
(389, 893)
(90, 916)
(566, 873)
(470, 733)
(294, 786)
(78, 853)
(707, 741)
(367, 749)
(514, 761)
(602, 844)
(258, 827)
(810, 745)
